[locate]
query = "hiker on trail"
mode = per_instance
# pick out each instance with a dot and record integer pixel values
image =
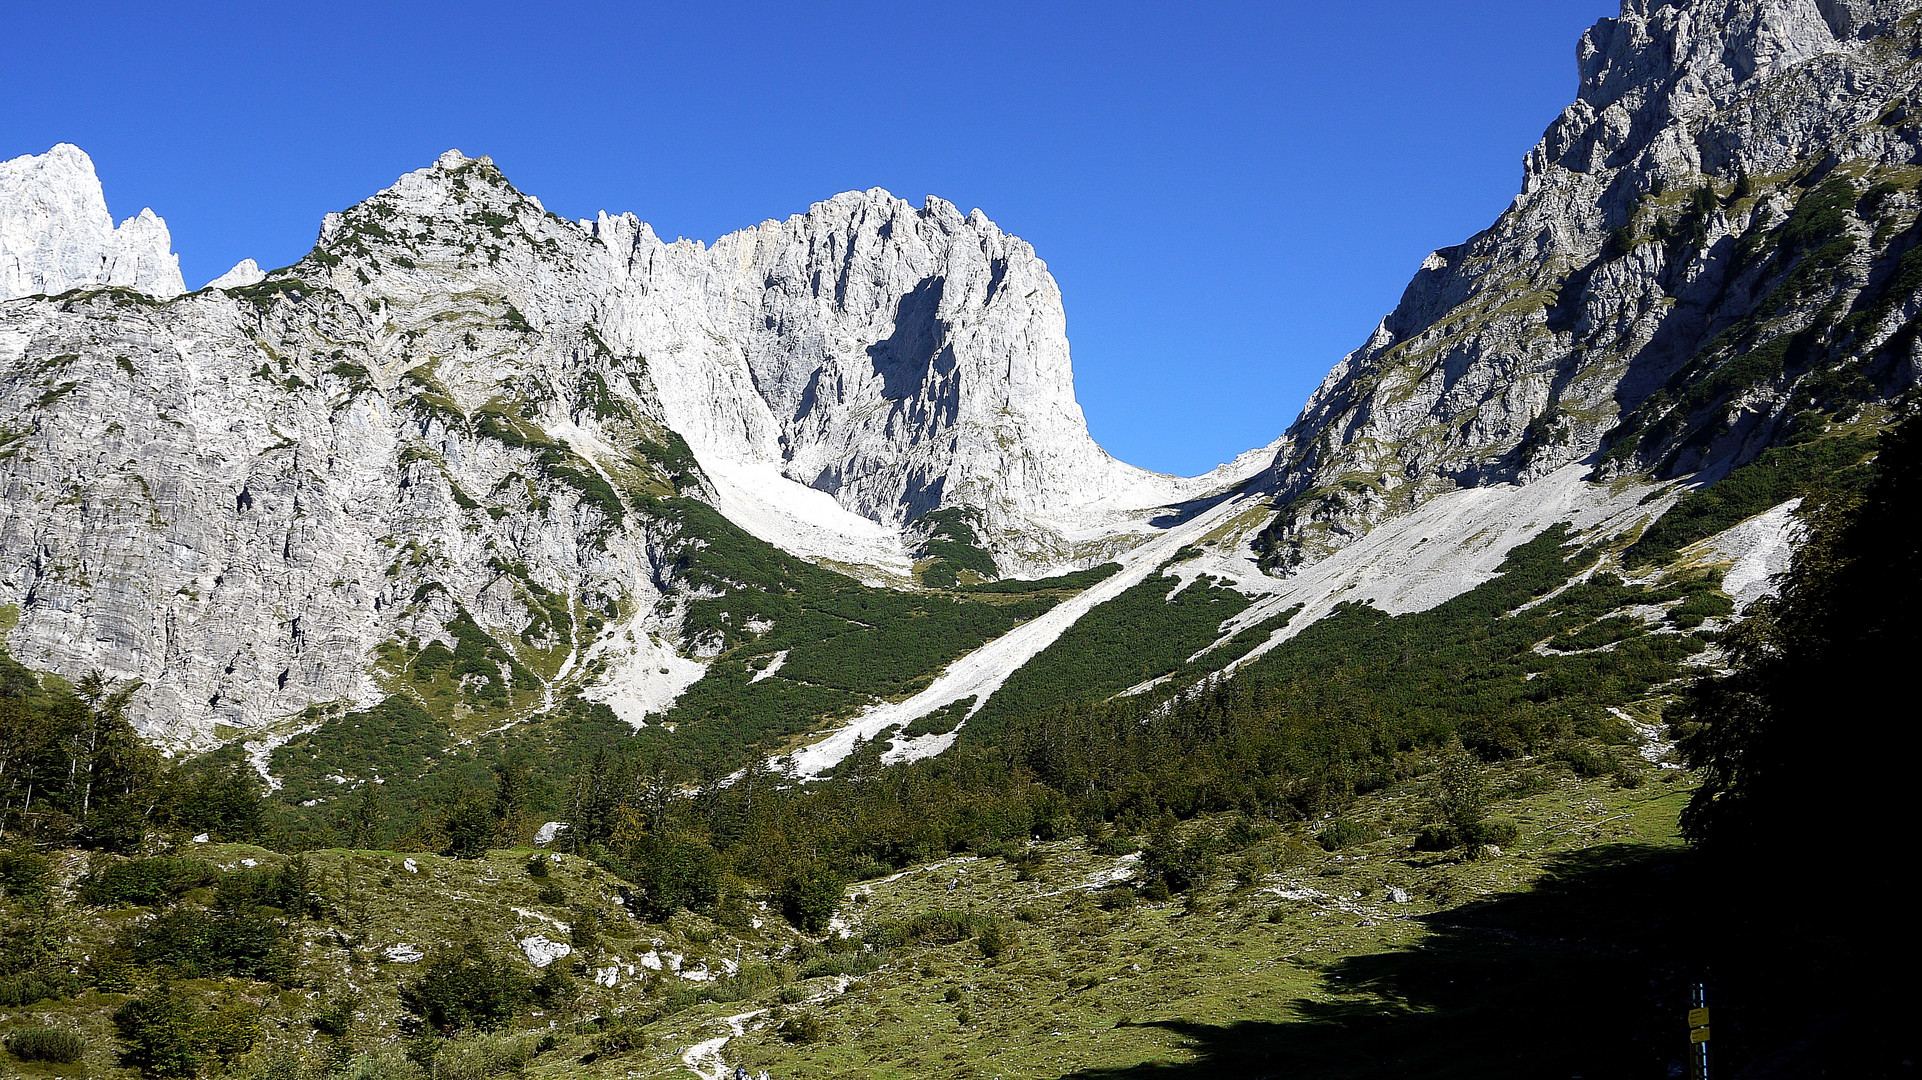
(740, 1072)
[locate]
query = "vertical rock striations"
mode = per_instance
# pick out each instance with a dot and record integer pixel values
(900, 359)
(442, 444)
(450, 451)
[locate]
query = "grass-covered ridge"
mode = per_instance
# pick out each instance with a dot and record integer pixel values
(391, 742)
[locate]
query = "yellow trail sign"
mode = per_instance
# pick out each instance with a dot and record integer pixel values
(1698, 1035)
(1697, 1018)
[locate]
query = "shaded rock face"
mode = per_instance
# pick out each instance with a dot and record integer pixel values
(56, 234)
(1732, 181)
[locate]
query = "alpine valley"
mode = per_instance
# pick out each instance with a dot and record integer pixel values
(504, 645)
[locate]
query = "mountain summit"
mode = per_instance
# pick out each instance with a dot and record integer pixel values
(469, 454)
(239, 496)
(56, 234)
(1657, 245)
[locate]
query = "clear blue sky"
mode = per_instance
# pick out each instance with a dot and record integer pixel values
(1231, 195)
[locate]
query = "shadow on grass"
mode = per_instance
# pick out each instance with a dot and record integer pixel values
(1583, 975)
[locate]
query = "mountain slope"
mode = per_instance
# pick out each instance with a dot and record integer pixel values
(1708, 242)
(460, 450)
(460, 433)
(1703, 304)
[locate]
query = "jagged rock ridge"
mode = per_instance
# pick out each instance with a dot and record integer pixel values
(453, 424)
(444, 428)
(56, 234)
(1663, 233)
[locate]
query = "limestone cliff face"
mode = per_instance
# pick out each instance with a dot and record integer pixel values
(241, 498)
(1735, 180)
(899, 358)
(446, 446)
(56, 235)
(449, 427)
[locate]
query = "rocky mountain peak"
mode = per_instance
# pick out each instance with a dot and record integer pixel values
(1649, 246)
(56, 233)
(461, 422)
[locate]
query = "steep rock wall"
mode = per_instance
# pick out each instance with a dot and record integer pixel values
(1654, 246)
(56, 234)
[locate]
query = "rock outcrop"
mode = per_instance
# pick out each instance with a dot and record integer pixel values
(56, 234)
(1734, 180)
(450, 425)
(244, 272)
(456, 443)
(899, 358)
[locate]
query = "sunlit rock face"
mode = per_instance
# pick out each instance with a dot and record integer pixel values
(1649, 222)
(462, 419)
(459, 406)
(56, 234)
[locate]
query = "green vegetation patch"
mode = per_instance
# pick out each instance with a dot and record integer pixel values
(1469, 666)
(846, 643)
(143, 882)
(478, 671)
(941, 721)
(727, 708)
(954, 548)
(557, 461)
(1778, 475)
(1147, 632)
(395, 740)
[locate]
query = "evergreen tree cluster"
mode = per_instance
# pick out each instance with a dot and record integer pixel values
(74, 772)
(1802, 814)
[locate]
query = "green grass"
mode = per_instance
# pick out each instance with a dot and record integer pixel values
(1290, 954)
(1287, 951)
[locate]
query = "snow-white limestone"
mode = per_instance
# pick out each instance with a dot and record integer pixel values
(239, 496)
(245, 272)
(805, 521)
(1757, 550)
(541, 952)
(897, 358)
(644, 674)
(1448, 546)
(56, 234)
